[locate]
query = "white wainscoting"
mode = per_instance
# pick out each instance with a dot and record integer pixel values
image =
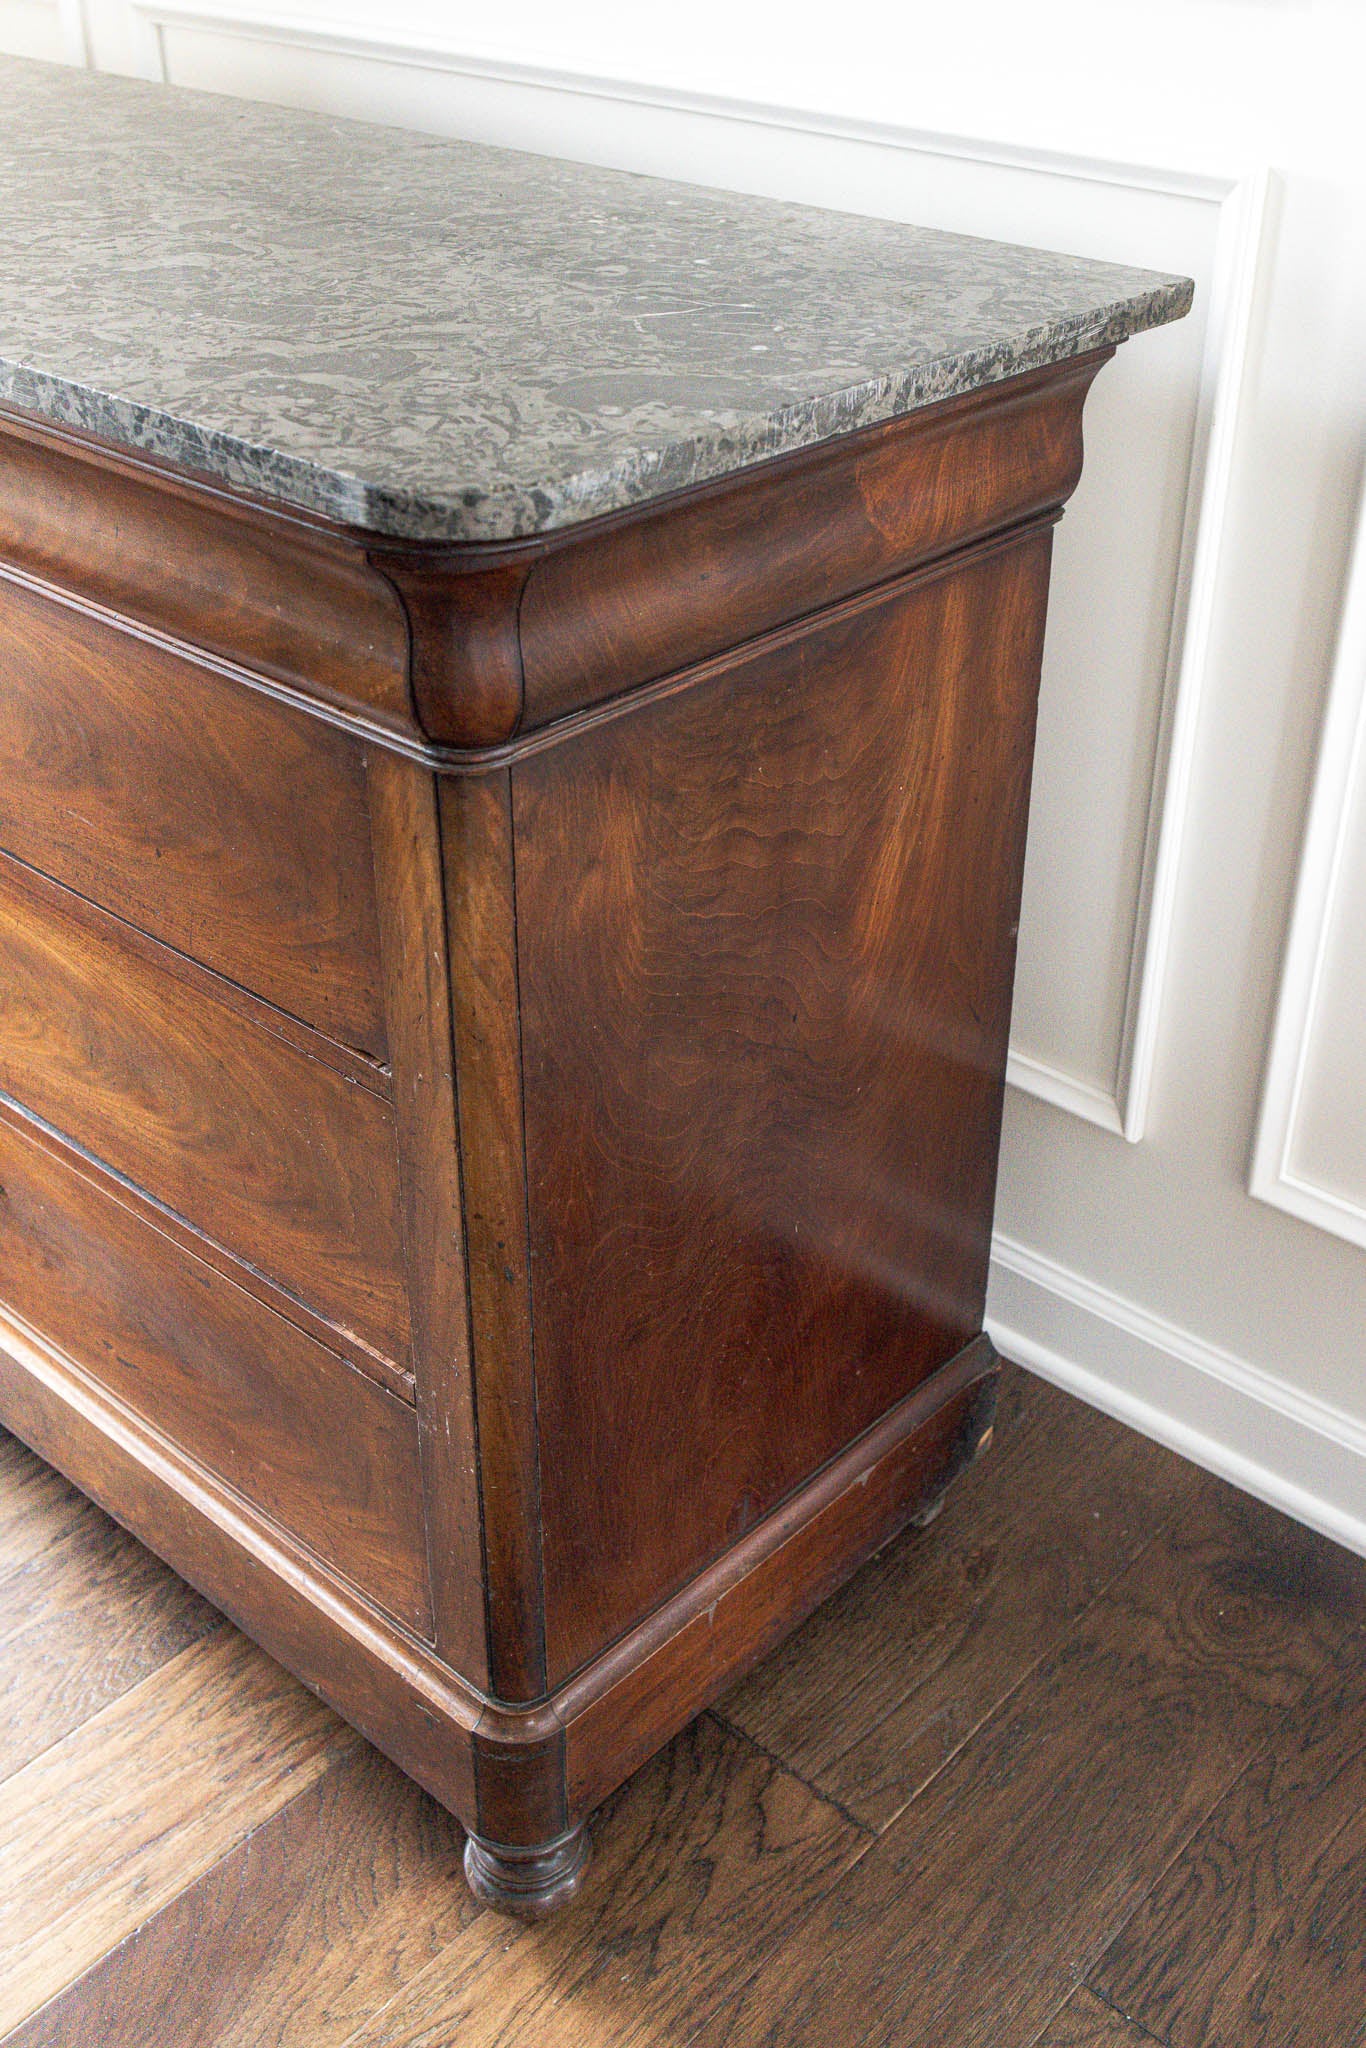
(41, 28)
(1310, 1155)
(1123, 676)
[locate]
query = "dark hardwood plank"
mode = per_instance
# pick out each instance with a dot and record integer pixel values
(81, 1624)
(293, 1939)
(109, 1824)
(708, 1857)
(1086, 2022)
(1257, 1932)
(1312, 1990)
(889, 1679)
(36, 1505)
(342, 1920)
(971, 1918)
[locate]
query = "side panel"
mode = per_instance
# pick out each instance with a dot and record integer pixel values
(766, 934)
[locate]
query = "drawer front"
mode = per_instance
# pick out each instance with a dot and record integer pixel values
(316, 1447)
(279, 1159)
(226, 824)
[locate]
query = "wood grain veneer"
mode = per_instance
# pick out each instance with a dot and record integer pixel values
(192, 808)
(207, 1364)
(504, 1051)
(273, 1155)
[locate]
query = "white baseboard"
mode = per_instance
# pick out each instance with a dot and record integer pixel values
(1297, 1453)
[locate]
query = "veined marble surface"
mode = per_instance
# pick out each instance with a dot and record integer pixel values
(439, 340)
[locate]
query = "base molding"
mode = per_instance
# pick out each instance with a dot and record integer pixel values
(521, 1777)
(1231, 1417)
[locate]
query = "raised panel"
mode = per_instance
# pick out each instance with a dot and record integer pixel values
(32, 28)
(1311, 1144)
(229, 826)
(241, 1389)
(273, 1155)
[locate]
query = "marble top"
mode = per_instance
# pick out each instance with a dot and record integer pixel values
(438, 340)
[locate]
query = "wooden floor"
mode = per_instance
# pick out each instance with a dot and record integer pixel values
(1081, 1766)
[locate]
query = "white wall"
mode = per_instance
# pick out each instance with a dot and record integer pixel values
(1182, 1215)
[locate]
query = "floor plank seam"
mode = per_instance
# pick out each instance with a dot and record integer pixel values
(1156, 1531)
(989, 1714)
(761, 1749)
(113, 1700)
(1159, 2040)
(126, 1940)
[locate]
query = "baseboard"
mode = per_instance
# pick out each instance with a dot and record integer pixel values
(1298, 1453)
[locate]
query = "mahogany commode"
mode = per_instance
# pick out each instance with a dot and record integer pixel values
(511, 829)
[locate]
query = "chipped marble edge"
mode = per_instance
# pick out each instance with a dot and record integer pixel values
(483, 515)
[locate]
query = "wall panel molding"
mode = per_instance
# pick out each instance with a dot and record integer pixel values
(50, 30)
(1239, 203)
(75, 32)
(1326, 850)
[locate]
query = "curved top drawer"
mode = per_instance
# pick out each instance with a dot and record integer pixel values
(220, 821)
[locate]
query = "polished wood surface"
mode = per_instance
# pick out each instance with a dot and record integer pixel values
(209, 1367)
(501, 1062)
(190, 807)
(681, 584)
(314, 1898)
(785, 905)
(512, 639)
(276, 1157)
(273, 598)
(481, 909)
(418, 998)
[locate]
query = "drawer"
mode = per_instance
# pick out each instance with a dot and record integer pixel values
(226, 824)
(281, 1160)
(317, 1448)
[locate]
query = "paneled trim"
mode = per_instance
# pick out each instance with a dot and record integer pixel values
(1048, 1083)
(1303, 1455)
(75, 27)
(1240, 241)
(1239, 200)
(1323, 859)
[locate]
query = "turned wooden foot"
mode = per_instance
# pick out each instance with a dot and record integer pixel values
(529, 1883)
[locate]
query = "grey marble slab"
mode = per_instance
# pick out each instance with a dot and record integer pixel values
(440, 340)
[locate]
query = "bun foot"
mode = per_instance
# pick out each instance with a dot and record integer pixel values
(529, 1883)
